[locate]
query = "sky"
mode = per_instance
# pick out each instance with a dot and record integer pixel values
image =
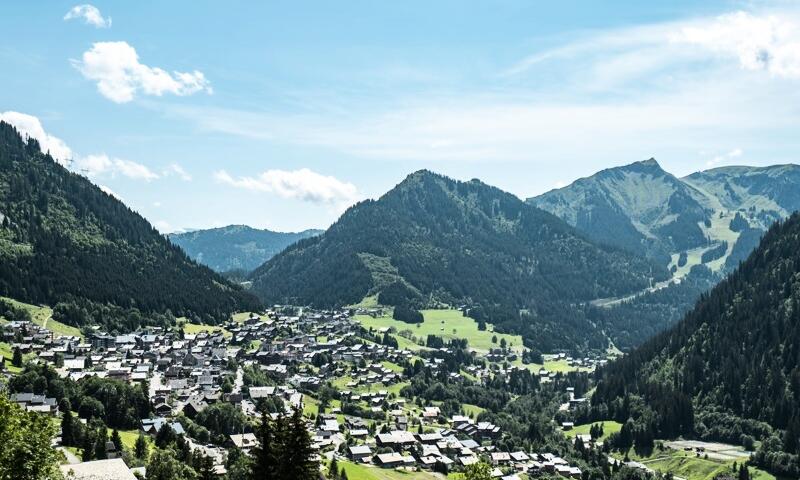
(280, 115)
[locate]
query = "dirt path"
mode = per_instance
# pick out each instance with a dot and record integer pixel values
(71, 458)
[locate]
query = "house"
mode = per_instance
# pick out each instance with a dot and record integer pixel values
(359, 452)
(393, 460)
(153, 425)
(395, 439)
(193, 407)
(244, 442)
(35, 403)
(113, 469)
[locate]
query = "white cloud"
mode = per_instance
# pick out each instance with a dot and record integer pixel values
(601, 98)
(177, 170)
(760, 42)
(108, 190)
(163, 227)
(101, 164)
(302, 184)
(90, 15)
(120, 76)
(724, 158)
(30, 126)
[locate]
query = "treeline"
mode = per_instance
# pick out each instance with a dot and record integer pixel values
(734, 362)
(714, 253)
(63, 237)
(81, 312)
(118, 404)
(12, 313)
(632, 322)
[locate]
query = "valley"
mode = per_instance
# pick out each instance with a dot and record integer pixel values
(443, 328)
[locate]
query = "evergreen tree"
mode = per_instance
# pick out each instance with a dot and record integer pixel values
(100, 452)
(16, 359)
(333, 469)
(267, 454)
(117, 440)
(140, 448)
(205, 471)
(67, 428)
(87, 445)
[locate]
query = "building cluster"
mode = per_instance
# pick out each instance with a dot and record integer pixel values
(299, 353)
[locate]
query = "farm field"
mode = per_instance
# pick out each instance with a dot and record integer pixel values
(8, 353)
(362, 472)
(194, 328)
(609, 427)
(443, 323)
(242, 316)
(129, 439)
(689, 466)
(448, 324)
(42, 316)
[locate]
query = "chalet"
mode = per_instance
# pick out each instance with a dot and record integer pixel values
(394, 460)
(359, 453)
(111, 469)
(35, 403)
(244, 442)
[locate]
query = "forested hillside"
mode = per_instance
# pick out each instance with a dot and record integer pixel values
(433, 239)
(730, 370)
(236, 247)
(66, 243)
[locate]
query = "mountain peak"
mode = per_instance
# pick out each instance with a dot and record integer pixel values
(644, 165)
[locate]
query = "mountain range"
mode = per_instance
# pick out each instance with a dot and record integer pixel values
(66, 243)
(714, 217)
(235, 247)
(432, 239)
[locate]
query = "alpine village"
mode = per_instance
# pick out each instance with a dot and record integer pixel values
(634, 324)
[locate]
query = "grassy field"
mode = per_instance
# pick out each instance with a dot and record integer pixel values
(242, 316)
(448, 324)
(472, 410)
(609, 427)
(41, 316)
(691, 467)
(452, 324)
(129, 439)
(362, 472)
(8, 353)
(194, 328)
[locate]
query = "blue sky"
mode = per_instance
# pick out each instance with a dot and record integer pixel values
(281, 114)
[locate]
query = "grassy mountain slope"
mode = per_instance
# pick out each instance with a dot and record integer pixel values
(235, 247)
(643, 209)
(735, 357)
(459, 242)
(63, 239)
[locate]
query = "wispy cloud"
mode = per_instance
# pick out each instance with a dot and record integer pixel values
(178, 171)
(120, 76)
(624, 94)
(302, 184)
(89, 14)
(98, 165)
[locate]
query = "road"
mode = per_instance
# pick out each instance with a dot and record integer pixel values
(71, 459)
(239, 381)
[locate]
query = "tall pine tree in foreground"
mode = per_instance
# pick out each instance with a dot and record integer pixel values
(285, 451)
